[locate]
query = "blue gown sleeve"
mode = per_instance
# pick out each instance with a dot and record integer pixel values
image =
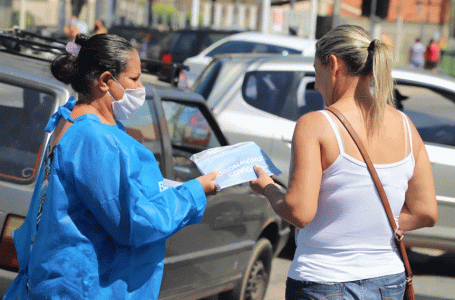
(119, 184)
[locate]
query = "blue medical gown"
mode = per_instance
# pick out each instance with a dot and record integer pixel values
(105, 219)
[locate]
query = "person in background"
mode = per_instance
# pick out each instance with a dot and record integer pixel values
(432, 56)
(345, 247)
(99, 27)
(75, 27)
(144, 46)
(416, 54)
(100, 213)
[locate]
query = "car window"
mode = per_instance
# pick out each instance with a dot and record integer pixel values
(24, 114)
(210, 38)
(204, 84)
(190, 133)
(215, 37)
(184, 43)
(250, 47)
(308, 99)
(232, 47)
(432, 113)
(143, 127)
(266, 48)
(168, 40)
(287, 94)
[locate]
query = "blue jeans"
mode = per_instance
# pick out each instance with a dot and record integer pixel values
(390, 287)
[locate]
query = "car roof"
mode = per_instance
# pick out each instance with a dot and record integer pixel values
(297, 61)
(167, 90)
(268, 61)
(36, 71)
(423, 78)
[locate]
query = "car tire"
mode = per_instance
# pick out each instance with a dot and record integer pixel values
(256, 278)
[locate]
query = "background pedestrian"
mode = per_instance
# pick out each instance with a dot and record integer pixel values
(432, 56)
(416, 54)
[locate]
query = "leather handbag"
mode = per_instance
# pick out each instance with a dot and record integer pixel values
(409, 292)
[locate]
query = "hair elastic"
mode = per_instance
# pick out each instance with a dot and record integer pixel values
(372, 45)
(73, 48)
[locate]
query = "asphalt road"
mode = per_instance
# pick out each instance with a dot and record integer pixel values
(427, 286)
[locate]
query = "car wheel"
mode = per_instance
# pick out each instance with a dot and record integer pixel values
(256, 279)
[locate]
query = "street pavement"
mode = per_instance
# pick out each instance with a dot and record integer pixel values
(427, 287)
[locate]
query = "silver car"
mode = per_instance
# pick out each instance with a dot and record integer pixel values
(229, 252)
(260, 98)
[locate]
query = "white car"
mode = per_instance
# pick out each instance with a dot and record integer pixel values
(260, 98)
(246, 42)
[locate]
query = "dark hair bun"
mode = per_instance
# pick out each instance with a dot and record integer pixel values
(64, 68)
(81, 39)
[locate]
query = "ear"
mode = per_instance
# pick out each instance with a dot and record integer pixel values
(334, 64)
(103, 80)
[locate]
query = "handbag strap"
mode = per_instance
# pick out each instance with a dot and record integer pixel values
(398, 238)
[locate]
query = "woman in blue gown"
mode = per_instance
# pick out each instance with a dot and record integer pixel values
(98, 221)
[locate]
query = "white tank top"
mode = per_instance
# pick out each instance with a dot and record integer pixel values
(350, 238)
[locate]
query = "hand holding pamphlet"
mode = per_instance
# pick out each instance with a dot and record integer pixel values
(234, 163)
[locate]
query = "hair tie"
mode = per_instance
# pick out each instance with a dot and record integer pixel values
(372, 45)
(73, 48)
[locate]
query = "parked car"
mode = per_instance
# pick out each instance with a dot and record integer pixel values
(259, 98)
(229, 252)
(146, 40)
(247, 42)
(178, 45)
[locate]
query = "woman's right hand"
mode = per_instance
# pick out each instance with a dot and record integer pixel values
(207, 182)
(258, 185)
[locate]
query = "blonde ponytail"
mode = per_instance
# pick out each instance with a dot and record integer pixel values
(363, 57)
(381, 79)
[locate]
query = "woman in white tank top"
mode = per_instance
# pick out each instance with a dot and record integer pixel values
(345, 247)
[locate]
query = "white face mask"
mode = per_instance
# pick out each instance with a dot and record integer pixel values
(131, 101)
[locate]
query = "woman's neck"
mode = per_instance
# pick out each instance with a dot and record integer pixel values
(102, 107)
(355, 89)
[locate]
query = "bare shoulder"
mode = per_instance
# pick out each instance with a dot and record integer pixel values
(398, 116)
(311, 121)
(310, 127)
(392, 112)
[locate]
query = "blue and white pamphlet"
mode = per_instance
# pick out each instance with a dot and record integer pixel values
(234, 163)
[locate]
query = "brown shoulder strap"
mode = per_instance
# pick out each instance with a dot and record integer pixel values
(379, 187)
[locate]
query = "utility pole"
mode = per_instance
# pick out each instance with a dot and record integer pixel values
(265, 21)
(399, 31)
(22, 13)
(313, 19)
(374, 26)
(149, 13)
(195, 13)
(336, 13)
(452, 24)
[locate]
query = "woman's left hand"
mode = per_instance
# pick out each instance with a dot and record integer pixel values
(258, 185)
